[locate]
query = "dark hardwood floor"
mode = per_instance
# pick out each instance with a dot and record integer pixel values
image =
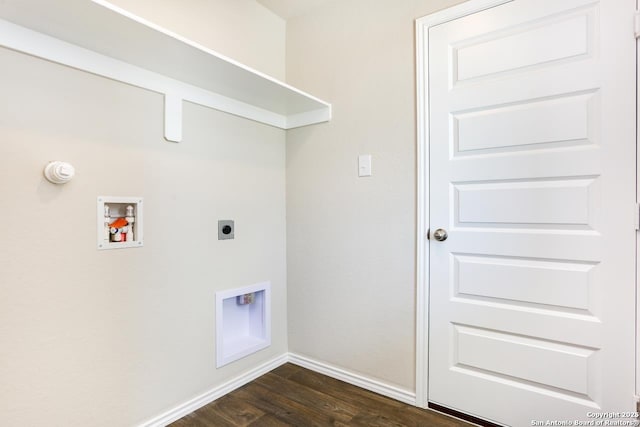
(294, 396)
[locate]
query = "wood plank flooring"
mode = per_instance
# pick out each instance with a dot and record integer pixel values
(294, 396)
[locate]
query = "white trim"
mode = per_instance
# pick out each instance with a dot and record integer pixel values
(422, 223)
(467, 8)
(359, 380)
(215, 393)
(637, 319)
(422, 247)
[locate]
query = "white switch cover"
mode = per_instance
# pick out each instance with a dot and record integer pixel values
(364, 165)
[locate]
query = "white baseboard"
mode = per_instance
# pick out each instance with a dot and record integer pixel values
(162, 420)
(215, 393)
(397, 393)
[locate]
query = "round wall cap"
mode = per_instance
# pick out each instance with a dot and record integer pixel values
(59, 172)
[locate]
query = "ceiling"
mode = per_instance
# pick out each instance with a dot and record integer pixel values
(291, 8)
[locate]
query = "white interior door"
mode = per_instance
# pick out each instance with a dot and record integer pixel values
(532, 174)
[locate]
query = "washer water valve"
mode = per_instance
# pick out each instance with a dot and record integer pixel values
(59, 172)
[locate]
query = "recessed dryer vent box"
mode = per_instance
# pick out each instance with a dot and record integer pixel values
(243, 322)
(119, 222)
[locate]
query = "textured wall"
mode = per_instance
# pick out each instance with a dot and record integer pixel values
(113, 338)
(351, 241)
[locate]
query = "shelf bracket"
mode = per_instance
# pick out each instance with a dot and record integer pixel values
(172, 117)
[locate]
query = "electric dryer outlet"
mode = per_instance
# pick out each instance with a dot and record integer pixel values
(226, 229)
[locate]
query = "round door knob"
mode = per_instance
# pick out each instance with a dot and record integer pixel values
(440, 235)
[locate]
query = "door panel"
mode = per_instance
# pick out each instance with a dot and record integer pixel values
(515, 127)
(532, 173)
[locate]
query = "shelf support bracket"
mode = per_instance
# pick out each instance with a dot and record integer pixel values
(172, 117)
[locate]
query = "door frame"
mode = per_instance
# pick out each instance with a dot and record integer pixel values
(637, 319)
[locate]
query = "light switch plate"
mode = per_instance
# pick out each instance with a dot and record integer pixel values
(364, 165)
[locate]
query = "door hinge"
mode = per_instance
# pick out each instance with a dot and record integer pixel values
(637, 216)
(636, 23)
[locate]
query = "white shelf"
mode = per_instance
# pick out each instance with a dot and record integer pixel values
(100, 38)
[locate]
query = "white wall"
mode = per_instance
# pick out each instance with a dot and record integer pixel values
(113, 338)
(351, 241)
(117, 337)
(240, 29)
